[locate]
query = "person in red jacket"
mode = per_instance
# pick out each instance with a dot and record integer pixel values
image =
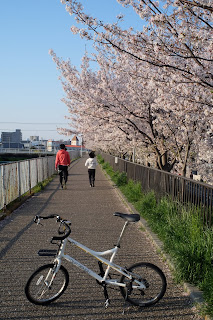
(62, 162)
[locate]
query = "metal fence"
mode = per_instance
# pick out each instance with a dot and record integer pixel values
(19, 177)
(181, 189)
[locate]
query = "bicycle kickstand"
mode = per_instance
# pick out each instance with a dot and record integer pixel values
(128, 292)
(107, 301)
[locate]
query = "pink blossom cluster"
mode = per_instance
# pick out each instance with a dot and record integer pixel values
(152, 90)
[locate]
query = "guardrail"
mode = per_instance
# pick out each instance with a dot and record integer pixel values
(29, 151)
(184, 190)
(19, 177)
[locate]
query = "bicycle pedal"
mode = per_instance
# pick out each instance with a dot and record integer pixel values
(129, 288)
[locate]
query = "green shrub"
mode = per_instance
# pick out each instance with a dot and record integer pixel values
(100, 159)
(121, 179)
(207, 286)
(132, 191)
(147, 206)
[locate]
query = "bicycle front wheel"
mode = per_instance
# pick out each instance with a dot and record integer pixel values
(145, 275)
(45, 286)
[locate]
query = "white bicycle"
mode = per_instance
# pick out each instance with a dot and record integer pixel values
(142, 284)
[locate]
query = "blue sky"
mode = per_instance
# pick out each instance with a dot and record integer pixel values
(30, 92)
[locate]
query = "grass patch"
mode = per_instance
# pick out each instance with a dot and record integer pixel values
(187, 241)
(41, 185)
(118, 178)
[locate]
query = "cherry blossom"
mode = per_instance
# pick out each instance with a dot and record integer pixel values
(152, 90)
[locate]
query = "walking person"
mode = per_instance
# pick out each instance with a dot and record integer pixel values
(91, 163)
(62, 162)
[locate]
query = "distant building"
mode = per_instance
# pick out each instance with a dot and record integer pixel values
(39, 144)
(75, 141)
(12, 139)
(34, 138)
(53, 145)
(74, 147)
(27, 144)
(35, 144)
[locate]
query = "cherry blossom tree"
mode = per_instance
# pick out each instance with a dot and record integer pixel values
(153, 89)
(181, 40)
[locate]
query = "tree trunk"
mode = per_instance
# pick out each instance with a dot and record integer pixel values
(163, 163)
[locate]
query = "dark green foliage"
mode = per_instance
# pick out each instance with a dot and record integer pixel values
(121, 179)
(132, 191)
(100, 159)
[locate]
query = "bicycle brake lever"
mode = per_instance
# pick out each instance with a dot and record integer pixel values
(37, 220)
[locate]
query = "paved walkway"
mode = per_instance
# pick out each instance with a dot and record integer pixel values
(91, 212)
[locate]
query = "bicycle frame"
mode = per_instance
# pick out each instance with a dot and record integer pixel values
(99, 256)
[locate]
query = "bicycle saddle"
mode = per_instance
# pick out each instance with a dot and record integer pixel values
(128, 217)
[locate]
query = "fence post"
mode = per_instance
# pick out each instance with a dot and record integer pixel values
(3, 188)
(29, 181)
(37, 170)
(148, 179)
(47, 168)
(19, 179)
(42, 166)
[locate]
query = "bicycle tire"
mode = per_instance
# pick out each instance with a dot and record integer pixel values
(154, 280)
(37, 290)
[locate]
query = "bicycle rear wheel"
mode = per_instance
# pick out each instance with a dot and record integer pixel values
(153, 279)
(45, 286)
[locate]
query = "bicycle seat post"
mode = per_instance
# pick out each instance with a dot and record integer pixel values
(122, 233)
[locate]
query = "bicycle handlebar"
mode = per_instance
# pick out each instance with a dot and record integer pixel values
(59, 219)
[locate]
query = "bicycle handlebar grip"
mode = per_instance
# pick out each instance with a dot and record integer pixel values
(64, 236)
(50, 216)
(37, 218)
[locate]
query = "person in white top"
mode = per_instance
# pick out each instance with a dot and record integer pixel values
(91, 163)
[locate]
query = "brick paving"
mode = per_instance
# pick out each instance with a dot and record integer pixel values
(93, 224)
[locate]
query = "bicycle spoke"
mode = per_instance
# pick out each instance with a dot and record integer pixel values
(146, 291)
(44, 286)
